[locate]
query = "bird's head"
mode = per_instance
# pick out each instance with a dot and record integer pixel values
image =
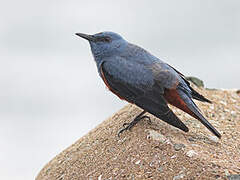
(105, 44)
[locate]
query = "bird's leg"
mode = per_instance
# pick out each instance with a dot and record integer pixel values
(128, 126)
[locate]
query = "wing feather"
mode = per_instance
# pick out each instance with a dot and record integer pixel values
(146, 93)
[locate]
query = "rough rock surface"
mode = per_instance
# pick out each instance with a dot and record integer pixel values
(156, 150)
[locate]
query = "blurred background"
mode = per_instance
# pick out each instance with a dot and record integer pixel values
(50, 92)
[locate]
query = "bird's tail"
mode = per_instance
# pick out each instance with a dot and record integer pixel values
(194, 111)
(198, 96)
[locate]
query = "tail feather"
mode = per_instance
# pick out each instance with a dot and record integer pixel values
(198, 96)
(195, 113)
(172, 119)
(161, 111)
(195, 94)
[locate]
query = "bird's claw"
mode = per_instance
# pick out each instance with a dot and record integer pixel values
(125, 127)
(121, 131)
(128, 126)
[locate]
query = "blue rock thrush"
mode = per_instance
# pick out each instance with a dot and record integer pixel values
(135, 75)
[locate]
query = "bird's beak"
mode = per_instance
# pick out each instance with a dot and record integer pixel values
(86, 36)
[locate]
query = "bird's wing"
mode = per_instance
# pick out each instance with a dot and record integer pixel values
(195, 94)
(135, 83)
(179, 93)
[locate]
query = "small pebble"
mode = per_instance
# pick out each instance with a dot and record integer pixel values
(238, 92)
(222, 102)
(191, 153)
(160, 169)
(178, 147)
(217, 176)
(213, 138)
(212, 107)
(100, 177)
(137, 162)
(156, 136)
(227, 172)
(180, 176)
(233, 177)
(191, 139)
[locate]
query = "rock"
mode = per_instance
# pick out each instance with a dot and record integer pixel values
(180, 176)
(191, 153)
(234, 177)
(178, 147)
(156, 136)
(195, 80)
(101, 154)
(160, 169)
(226, 172)
(100, 177)
(137, 162)
(238, 92)
(192, 139)
(214, 139)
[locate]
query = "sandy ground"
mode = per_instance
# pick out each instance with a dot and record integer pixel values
(156, 150)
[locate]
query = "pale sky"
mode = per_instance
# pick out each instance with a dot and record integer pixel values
(50, 92)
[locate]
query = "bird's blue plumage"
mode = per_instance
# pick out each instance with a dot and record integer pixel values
(143, 79)
(130, 72)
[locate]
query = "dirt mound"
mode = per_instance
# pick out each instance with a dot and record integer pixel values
(156, 150)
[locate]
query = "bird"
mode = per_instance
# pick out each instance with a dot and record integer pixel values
(135, 75)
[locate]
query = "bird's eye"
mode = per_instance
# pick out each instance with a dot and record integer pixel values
(103, 39)
(107, 39)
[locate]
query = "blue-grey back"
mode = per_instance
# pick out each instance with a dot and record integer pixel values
(138, 55)
(135, 53)
(135, 65)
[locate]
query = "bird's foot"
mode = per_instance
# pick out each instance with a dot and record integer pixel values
(128, 126)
